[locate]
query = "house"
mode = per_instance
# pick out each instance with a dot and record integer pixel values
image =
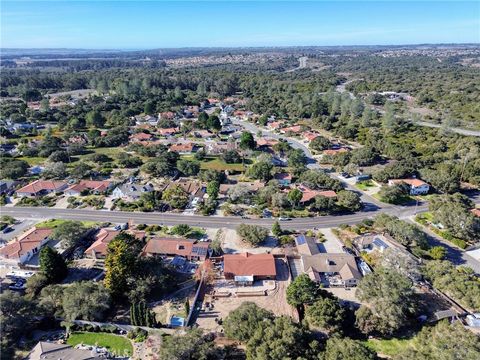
(333, 152)
(266, 142)
(213, 101)
(220, 147)
(246, 268)
(310, 135)
(296, 129)
(192, 250)
(194, 188)
(131, 191)
(94, 186)
(417, 186)
(98, 249)
(7, 186)
(309, 194)
(53, 351)
(275, 125)
(41, 187)
(204, 134)
(168, 131)
(28, 244)
(371, 242)
(140, 137)
(184, 148)
(284, 179)
(330, 269)
(327, 268)
(252, 187)
(167, 115)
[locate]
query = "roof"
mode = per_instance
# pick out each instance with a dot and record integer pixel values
(266, 142)
(189, 186)
(309, 135)
(40, 185)
(168, 131)
(295, 128)
(52, 351)
(306, 245)
(135, 189)
(344, 264)
(250, 186)
(105, 236)
(28, 241)
(411, 182)
(182, 147)
(309, 194)
(248, 264)
(176, 246)
(141, 136)
(335, 151)
(94, 185)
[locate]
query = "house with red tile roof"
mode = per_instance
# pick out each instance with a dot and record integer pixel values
(247, 267)
(417, 186)
(94, 186)
(168, 131)
(184, 148)
(27, 245)
(140, 137)
(266, 142)
(275, 125)
(98, 250)
(309, 194)
(333, 152)
(187, 248)
(296, 129)
(167, 115)
(42, 187)
(310, 135)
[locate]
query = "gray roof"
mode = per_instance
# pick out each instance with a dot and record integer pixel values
(344, 264)
(51, 351)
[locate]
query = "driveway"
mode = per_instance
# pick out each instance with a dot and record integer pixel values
(18, 229)
(331, 244)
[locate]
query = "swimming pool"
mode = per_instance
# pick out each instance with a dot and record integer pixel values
(177, 321)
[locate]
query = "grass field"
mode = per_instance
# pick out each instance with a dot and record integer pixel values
(220, 165)
(365, 185)
(33, 161)
(389, 347)
(114, 343)
(53, 223)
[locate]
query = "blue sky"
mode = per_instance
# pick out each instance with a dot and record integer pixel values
(155, 24)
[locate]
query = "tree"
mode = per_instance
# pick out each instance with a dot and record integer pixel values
(261, 170)
(405, 233)
(437, 252)
(95, 119)
(120, 264)
(395, 194)
(276, 229)
(35, 284)
(241, 323)
(176, 197)
(70, 233)
(442, 341)
(247, 141)
(188, 168)
(213, 188)
(16, 318)
(324, 204)
(13, 169)
(86, 300)
(281, 339)
(55, 170)
(252, 234)
(181, 229)
(297, 159)
(52, 265)
(390, 297)
(193, 345)
(59, 156)
(81, 170)
(295, 196)
(213, 123)
(349, 200)
(347, 349)
(327, 314)
(320, 143)
(231, 157)
(302, 291)
(187, 307)
(141, 315)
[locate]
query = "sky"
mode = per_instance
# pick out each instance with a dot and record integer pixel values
(173, 24)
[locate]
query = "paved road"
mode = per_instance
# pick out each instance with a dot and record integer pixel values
(39, 213)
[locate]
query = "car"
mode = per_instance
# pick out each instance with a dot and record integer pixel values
(345, 175)
(282, 218)
(7, 230)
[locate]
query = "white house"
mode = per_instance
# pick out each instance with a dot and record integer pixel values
(417, 186)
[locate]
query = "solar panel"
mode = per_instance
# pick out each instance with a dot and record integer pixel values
(199, 250)
(301, 240)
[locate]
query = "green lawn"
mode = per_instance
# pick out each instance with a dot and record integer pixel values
(33, 161)
(114, 343)
(220, 165)
(389, 347)
(365, 185)
(53, 223)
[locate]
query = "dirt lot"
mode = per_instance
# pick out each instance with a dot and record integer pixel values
(275, 302)
(232, 243)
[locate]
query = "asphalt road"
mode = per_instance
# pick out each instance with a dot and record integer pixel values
(41, 213)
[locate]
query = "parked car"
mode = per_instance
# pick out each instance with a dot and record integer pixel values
(282, 218)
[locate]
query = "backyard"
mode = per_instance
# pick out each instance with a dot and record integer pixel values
(114, 343)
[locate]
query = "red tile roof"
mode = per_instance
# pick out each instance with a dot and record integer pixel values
(266, 142)
(309, 194)
(335, 151)
(294, 129)
(247, 264)
(310, 135)
(411, 182)
(28, 241)
(105, 236)
(40, 185)
(100, 186)
(141, 136)
(186, 147)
